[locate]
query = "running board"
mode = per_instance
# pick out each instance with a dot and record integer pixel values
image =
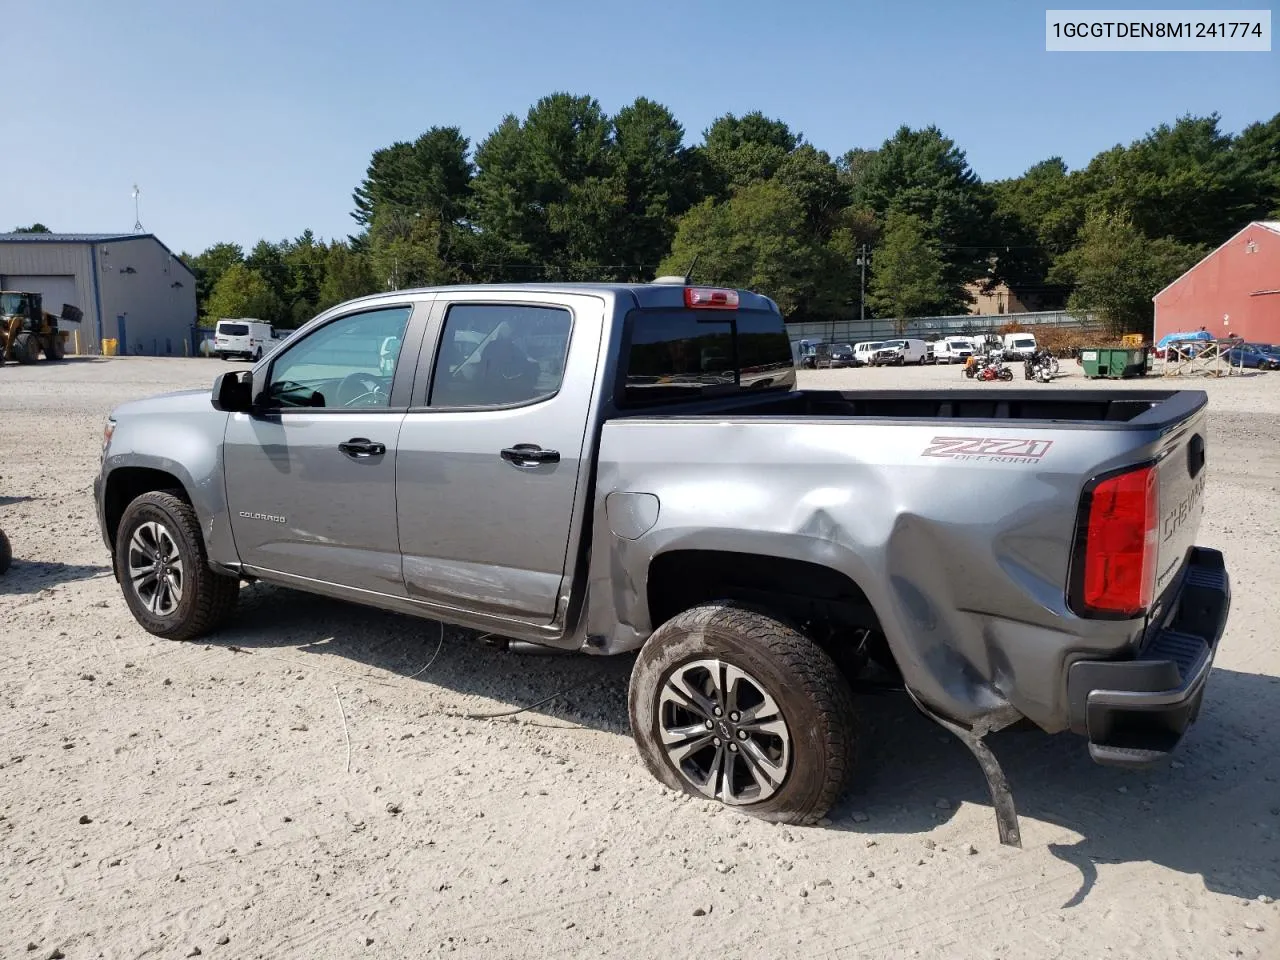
(1001, 795)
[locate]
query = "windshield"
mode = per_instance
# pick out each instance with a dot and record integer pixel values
(12, 304)
(233, 329)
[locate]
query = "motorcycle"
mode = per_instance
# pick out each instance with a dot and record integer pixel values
(1041, 366)
(992, 369)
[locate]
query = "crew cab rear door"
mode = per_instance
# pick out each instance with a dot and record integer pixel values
(491, 463)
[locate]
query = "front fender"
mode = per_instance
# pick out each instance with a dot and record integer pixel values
(186, 446)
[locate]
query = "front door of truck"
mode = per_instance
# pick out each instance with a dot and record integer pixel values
(491, 454)
(310, 475)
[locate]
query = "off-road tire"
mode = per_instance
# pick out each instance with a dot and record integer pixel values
(207, 597)
(812, 695)
(6, 553)
(56, 349)
(26, 348)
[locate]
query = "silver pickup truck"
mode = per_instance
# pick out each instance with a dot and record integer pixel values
(615, 468)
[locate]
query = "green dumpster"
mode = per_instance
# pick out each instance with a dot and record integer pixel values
(1115, 363)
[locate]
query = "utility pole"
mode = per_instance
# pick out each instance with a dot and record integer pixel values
(862, 293)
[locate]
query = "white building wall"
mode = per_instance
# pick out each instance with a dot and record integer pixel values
(141, 281)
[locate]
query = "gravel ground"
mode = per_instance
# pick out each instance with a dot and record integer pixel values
(170, 800)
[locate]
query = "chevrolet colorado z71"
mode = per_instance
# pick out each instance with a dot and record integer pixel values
(612, 468)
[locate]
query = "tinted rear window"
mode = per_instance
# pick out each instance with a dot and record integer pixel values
(682, 354)
(233, 329)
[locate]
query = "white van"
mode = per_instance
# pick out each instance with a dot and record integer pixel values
(899, 352)
(245, 338)
(863, 352)
(1019, 345)
(953, 350)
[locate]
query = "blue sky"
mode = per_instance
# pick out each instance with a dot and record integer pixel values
(246, 120)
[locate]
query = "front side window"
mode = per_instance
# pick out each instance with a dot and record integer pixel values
(348, 363)
(497, 355)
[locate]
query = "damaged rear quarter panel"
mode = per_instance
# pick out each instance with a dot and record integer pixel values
(964, 555)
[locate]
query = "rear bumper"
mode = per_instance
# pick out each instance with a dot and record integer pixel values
(1135, 712)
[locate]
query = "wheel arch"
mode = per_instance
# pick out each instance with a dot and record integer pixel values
(829, 605)
(126, 484)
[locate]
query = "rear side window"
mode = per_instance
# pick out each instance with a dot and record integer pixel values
(677, 355)
(233, 329)
(497, 355)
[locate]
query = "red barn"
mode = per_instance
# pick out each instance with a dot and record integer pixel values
(1235, 289)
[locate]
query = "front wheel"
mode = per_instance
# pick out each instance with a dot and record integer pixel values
(26, 348)
(164, 572)
(6, 552)
(1006, 374)
(730, 704)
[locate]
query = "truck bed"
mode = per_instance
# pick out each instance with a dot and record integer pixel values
(1145, 409)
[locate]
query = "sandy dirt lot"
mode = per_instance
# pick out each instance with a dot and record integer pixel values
(170, 800)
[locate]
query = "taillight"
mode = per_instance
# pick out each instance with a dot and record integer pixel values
(710, 298)
(1116, 557)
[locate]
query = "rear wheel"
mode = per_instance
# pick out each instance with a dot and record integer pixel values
(730, 704)
(164, 572)
(26, 349)
(6, 552)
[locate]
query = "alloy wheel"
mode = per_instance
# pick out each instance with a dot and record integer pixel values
(723, 732)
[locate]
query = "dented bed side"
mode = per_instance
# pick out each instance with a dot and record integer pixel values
(972, 600)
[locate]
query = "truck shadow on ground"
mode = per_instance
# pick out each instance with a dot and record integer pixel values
(1215, 814)
(1214, 811)
(32, 576)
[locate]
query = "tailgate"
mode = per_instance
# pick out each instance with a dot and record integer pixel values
(1182, 470)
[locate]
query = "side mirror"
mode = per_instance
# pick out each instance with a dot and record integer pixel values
(233, 392)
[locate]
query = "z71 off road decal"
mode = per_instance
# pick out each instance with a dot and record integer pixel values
(988, 449)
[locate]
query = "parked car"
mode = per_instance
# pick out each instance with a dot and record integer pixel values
(863, 352)
(1087, 604)
(1267, 349)
(952, 350)
(803, 354)
(1019, 346)
(244, 339)
(900, 352)
(842, 356)
(1246, 356)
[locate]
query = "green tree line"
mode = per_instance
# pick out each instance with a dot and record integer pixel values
(568, 192)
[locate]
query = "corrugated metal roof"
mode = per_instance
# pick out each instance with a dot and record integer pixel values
(91, 238)
(69, 237)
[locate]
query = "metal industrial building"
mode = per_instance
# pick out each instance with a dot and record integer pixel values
(131, 287)
(1235, 289)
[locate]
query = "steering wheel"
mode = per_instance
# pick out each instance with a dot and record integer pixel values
(359, 389)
